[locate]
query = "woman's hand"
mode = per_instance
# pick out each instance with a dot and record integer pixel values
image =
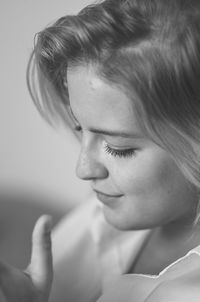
(33, 284)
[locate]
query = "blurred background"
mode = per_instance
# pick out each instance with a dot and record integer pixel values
(37, 164)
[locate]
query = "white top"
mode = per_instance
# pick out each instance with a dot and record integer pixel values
(89, 254)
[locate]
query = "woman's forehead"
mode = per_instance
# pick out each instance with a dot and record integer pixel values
(94, 102)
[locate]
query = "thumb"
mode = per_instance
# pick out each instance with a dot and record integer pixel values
(40, 268)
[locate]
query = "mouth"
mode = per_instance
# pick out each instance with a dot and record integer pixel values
(107, 199)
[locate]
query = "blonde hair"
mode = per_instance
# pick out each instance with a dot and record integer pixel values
(148, 48)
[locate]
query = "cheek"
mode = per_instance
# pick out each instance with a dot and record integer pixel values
(146, 174)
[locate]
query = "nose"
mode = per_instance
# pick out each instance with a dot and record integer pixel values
(89, 167)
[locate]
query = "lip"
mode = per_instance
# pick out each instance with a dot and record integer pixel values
(107, 198)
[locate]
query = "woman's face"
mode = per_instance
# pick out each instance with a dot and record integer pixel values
(137, 182)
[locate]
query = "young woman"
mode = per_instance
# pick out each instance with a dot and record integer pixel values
(125, 75)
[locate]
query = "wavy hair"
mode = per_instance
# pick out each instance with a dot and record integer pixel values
(148, 48)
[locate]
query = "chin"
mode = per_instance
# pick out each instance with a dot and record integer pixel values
(124, 223)
(119, 222)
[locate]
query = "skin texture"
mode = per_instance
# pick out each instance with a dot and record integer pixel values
(145, 186)
(34, 283)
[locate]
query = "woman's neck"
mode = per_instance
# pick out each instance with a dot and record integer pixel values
(183, 231)
(165, 245)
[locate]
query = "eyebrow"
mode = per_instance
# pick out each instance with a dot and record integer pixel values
(106, 132)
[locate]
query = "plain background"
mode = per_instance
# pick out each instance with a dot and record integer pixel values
(34, 158)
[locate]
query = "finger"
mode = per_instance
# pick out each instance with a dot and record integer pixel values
(40, 268)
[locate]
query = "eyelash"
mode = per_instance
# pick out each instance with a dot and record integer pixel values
(114, 152)
(120, 152)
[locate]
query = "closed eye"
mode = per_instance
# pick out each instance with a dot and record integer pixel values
(120, 152)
